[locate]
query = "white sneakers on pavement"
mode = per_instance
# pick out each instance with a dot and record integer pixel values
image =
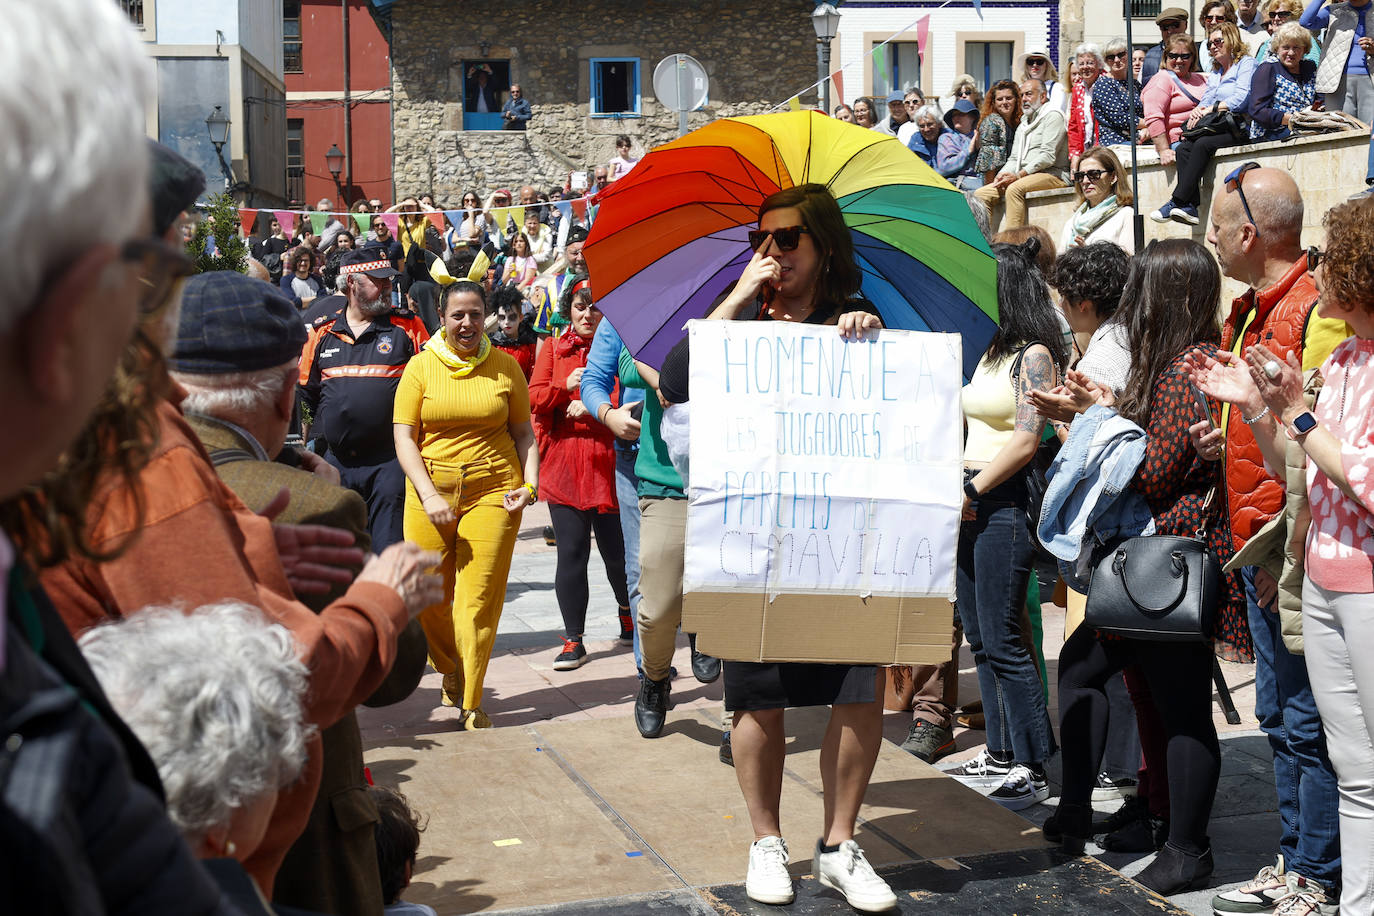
(768, 880)
(847, 871)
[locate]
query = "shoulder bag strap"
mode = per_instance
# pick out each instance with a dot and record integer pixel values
(1183, 88)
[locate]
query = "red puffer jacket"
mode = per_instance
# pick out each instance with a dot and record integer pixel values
(1275, 317)
(577, 457)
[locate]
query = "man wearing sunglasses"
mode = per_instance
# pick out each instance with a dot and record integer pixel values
(1256, 228)
(1038, 160)
(1170, 21)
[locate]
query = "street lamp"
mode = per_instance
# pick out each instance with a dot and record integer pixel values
(335, 160)
(826, 21)
(218, 126)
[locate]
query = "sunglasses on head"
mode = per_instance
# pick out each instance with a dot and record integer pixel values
(787, 238)
(1233, 183)
(1093, 175)
(1180, 56)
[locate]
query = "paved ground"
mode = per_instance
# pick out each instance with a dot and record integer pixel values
(523, 690)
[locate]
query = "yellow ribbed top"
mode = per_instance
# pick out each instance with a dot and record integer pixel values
(990, 409)
(462, 420)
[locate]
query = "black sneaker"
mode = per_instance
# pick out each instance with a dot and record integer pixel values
(651, 706)
(705, 668)
(627, 627)
(573, 656)
(928, 741)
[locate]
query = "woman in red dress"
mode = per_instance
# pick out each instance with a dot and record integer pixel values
(577, 475)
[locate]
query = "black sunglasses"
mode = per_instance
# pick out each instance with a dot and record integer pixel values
(1036, 62)
(1180, 56)
(787, 239)
(1233, 183)
(1093, 175)
(1314, 257)
(1215, 42)
(1117, 56)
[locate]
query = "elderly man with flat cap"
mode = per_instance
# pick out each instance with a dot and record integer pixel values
(349, 371)
(237, 356)
(1170, 21)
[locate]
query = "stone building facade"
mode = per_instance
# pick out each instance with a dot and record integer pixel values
(757, 55)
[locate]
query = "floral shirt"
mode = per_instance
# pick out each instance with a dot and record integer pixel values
(1340, 543)
(994, 140)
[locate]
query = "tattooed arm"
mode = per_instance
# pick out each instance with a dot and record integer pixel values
(1037, 374)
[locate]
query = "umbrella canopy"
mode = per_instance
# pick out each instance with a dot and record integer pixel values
(672, 235)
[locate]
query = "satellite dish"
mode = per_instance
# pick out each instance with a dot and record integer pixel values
(680, 83)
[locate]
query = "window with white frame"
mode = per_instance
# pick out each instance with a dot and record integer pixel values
(988, 61)
(896, 67)
(615, 87)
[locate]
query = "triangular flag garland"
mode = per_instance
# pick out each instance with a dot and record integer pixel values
(287, 218)
(837, 78)
(880, 71)
(794, 103)
(579, 207)
(364, 221)
(455, 218)
(247, 218)
(391, 221)
(437, 220)
(318, 221)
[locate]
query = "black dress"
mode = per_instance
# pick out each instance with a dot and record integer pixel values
(779, 685)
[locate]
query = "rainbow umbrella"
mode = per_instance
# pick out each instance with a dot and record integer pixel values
(672, 235)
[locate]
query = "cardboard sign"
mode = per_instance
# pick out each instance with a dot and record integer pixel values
(824, 495)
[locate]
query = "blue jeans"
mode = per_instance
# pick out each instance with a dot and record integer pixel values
(990, 586)
(1303, 775)
(626, 487)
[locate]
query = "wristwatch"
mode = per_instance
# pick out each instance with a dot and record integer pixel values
(1302, 424)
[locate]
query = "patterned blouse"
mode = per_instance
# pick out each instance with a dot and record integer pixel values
(1276, 92)
(1111, 108)
(1340, 543)
(995, 142)
(1175, 480)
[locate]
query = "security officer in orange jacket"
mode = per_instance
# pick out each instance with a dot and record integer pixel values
(350, 368)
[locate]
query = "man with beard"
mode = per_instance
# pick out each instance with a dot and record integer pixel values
(350, 368)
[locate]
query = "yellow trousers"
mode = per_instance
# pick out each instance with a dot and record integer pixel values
(476, 553)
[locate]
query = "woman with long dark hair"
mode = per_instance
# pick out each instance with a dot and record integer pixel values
(1170, 309)
(803, 270)
(995, 551)
(1000, 114)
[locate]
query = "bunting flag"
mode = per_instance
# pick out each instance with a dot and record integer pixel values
(923, 32)
(794, 103)
(518, 213)
(579, 207)
(247, 217)
(437, 220)
(837, 79)
(318, 221)
(287, 218)
(455, 218)
(564, 208)
(880, 70)
(391, 220)
(364, 221)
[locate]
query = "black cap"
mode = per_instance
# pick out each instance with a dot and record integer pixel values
(576, 234)
(174, 182)
(370, 259)
(233, 323)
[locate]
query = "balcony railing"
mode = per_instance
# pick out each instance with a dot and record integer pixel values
(134, 10)
(1141, 9)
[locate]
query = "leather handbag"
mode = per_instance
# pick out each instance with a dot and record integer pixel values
(1158, 587)
(1222, 122)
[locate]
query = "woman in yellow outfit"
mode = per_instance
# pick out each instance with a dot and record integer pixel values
(463, 437)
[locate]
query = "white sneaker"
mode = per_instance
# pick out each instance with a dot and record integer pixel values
(1021, 789)
(847, 871)
(768, 880)
(1305, 899)
(982, 772)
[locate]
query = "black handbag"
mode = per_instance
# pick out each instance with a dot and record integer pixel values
(1218, 122)
(1157, 587)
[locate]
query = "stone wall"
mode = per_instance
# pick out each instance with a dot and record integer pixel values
(756, 55)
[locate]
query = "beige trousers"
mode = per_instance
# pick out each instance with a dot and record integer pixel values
(1015, 196)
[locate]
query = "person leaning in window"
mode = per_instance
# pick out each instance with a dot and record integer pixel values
(1170, 305)
(994, 558)
(1339, 556)
(463, 437)
(1228, 90)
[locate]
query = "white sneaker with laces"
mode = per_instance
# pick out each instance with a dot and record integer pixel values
(1259, 895)
(847, 871)
(1305, 899)
(768, 880)
(1021, 789)
(982, 772)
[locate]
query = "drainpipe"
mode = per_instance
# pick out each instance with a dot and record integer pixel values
(346, 204)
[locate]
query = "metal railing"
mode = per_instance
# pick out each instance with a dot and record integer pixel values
(134, 10)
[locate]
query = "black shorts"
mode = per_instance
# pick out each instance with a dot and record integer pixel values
(755, 685)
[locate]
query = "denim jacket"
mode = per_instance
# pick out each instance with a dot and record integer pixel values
(1087, 503)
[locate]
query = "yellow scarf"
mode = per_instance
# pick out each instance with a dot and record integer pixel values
(461, 365)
